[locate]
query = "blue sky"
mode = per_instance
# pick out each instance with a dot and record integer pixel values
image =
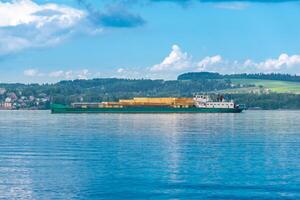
(47, 41)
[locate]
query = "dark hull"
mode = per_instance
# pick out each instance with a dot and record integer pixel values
(56, 109)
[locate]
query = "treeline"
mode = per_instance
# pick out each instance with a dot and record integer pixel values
(267, 101)
(96, 90)
(260, 76)
(199, 76)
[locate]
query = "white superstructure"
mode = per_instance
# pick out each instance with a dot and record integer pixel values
(204, 101)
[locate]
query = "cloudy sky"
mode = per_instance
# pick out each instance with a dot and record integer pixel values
(51, 40)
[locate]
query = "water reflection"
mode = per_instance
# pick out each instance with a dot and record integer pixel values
(166, 156)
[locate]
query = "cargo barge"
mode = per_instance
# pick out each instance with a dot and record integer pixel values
(198, 104)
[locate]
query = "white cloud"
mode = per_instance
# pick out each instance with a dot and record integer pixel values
(83, 74)
(207, 62)
(20, 12)
(178, 61)
(26, 24)
(121, 70)
(57, 74)
(284, 61)
(70, 74)
(232, 5)
(175, 61)
(249, 63)
(60, 74)
(283, 64)
(32, 72)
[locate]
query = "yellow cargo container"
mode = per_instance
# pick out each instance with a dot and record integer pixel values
(175, 102)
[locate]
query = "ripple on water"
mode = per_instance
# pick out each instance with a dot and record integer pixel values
(167, 156)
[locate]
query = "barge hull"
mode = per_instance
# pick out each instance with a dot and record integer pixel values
(60, 109)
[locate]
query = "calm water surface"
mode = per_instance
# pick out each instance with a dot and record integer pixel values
(253, 155)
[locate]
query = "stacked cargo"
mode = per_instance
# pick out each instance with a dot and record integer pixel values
(111, 105)
(140, 102)
(171, 102)
(184, 103)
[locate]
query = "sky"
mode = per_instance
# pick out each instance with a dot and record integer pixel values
(44, 41)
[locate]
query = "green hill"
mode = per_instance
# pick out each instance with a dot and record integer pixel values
(256, 85)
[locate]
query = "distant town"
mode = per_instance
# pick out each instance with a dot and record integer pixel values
(18, 100)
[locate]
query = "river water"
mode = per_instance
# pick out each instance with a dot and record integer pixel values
(252, 155)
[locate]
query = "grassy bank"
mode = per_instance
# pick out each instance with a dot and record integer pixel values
(266, 85)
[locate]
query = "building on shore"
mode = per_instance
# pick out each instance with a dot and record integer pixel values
(7, 104)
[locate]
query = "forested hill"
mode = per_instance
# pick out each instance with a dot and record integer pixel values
(113, 89)
(259, 76)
